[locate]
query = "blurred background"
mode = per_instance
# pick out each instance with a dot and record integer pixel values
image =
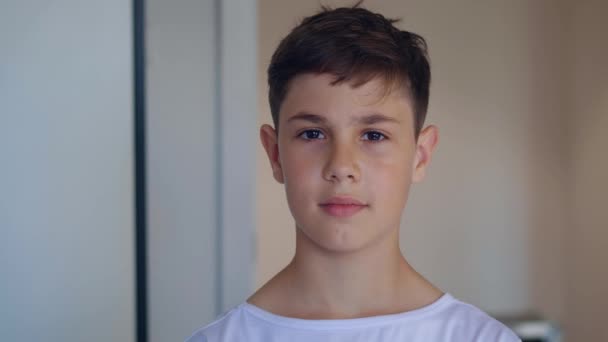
(137, 203)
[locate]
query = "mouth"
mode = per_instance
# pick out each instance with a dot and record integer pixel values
(341, 206)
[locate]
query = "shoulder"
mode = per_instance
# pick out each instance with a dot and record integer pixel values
(468, 322)
(219, 328)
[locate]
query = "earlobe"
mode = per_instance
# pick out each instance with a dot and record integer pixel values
(427, 142)
(269, 139)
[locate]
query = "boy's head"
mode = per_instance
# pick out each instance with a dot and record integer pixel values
(348, 95)
(354, 45)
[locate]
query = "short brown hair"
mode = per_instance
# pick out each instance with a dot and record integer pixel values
(355, 44)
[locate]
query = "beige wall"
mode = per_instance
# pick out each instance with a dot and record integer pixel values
(490, 223)
(587, 252)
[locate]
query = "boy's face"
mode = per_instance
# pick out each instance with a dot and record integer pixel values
(347, 157)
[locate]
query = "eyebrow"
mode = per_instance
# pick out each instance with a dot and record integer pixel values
(368, 119)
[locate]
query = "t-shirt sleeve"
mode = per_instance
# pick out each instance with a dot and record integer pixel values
(494, 331)
(197, 337)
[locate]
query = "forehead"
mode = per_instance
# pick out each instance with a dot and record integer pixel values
(315, 93)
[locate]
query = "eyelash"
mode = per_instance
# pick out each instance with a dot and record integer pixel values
(303, 133)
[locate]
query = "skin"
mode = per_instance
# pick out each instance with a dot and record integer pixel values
(356, 142)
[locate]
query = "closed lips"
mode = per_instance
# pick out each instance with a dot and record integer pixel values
(345, 201)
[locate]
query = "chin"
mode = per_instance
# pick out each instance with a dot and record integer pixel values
(336, 239)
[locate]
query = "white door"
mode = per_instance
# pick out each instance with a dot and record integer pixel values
(67, 167)
(201, 100)
(66, 171)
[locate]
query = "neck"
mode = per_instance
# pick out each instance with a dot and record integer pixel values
(373, 280)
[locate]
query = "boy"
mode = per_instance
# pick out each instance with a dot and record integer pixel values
(348, 96)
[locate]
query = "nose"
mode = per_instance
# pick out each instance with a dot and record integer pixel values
(342, 164)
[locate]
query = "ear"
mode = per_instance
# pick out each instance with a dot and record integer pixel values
(427, 142)
(269, 139)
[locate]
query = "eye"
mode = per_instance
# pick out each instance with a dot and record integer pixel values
(311, 134)
(374, 136)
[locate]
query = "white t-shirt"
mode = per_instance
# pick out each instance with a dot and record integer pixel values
(446, 319)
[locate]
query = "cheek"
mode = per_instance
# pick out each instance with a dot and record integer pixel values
(301, 178)
(301, 170)
(389, 177)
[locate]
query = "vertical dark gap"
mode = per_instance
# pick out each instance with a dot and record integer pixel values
(219, 260)
(139, 82)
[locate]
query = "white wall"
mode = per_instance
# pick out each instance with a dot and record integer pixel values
(488, 223)
(66, 175)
